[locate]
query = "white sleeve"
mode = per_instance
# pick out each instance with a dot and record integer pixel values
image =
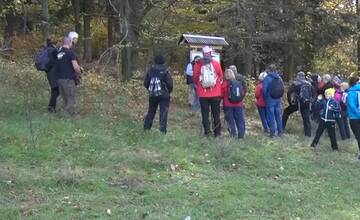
(189, 70)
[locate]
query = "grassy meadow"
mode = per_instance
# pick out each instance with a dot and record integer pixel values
(101, 165)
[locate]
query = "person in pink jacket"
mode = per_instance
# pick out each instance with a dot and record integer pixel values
(342, 121)
(260, 102)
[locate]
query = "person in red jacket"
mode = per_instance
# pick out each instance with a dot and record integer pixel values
(208, 77)
(234, 114)
(260, 102)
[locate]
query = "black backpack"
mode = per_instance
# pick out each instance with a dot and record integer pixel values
(276, 88)
(43, 59)
(236, 91)
(305, 93)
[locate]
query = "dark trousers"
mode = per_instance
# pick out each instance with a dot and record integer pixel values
(343, 125)
(262, 113)
(305, 114)
(273, 115)
(214, 104)
(330, 126)
(53, 97)
(154, 102)
(235, 120)
(355, 127)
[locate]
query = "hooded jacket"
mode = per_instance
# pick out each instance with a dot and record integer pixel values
(353, 102)
(210, 92)
(329, 109)
(260, 102)
(266, 88)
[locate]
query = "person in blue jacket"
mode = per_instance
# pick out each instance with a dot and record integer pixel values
(353, 108)
(329, 112)
(273, 104)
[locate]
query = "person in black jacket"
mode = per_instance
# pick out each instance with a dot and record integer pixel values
(51, 76)
(297, 101)
(159, 84)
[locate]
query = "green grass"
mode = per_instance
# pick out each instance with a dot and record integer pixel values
(78, 168)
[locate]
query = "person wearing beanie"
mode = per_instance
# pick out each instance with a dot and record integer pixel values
(330, 110)
(260, 102)
(343, 129)
(208, 77)
(300, 98)
(159, 84)
(353, 108)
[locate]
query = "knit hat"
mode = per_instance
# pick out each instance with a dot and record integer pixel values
(233, 68)
(337, 81)
(262, 76)
(159, 59)
(300, 76)
(207, 51)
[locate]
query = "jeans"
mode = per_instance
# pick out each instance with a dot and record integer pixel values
(235, 120)
(273, 114)
(343, 125)
(355, 127)
(214, 104)
(330, 126)
(193, 98)
(67, 90)
(53, 97)
(305, 114)
(154, 102)
(262, 113)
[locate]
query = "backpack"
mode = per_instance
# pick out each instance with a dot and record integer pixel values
(305, 93)
(42, 59)
(208, 76)
(276, 88)
(156, 87)
(235, 91)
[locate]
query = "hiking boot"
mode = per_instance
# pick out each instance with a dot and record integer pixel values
(51, 109)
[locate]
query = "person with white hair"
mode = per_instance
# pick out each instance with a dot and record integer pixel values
(66, 68)
(74, 37)
(260, 102)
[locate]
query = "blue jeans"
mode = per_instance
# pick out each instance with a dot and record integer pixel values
(273, 114)
(235, 119)
(262, 113)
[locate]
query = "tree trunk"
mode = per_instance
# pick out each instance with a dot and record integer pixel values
(87, 32)
(9, 29)
(77, 5)
(45, 18)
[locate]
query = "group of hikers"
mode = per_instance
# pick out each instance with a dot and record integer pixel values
(324, 100)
